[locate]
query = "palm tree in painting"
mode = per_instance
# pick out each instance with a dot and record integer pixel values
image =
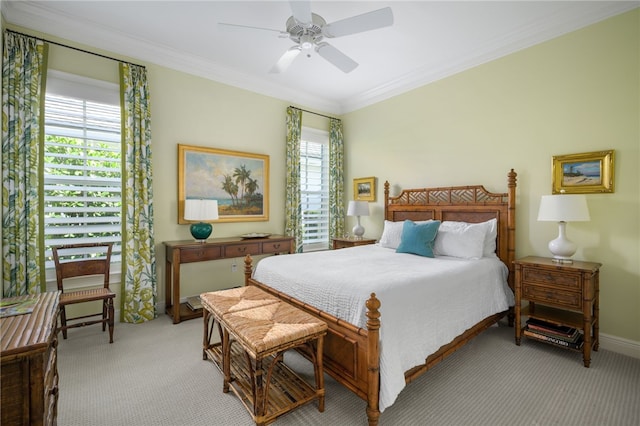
(231, 188)
(241, 174)
(252, 187)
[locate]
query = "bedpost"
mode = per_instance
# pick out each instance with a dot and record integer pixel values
(386, 198)
(373, 355)
(511, 234)
(248, 269)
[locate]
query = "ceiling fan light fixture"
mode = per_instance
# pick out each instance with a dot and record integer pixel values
(306, 42)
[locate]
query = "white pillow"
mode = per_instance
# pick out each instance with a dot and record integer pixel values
(461, 239)
(392, 233)
(491, 229)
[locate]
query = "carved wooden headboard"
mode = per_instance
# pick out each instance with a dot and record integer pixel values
(472, 204)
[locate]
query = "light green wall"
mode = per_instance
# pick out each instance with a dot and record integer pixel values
(577, 93)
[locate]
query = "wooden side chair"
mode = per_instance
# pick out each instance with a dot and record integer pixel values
(85, 267)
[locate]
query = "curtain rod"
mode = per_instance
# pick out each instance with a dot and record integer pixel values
(75, 48)
(315, 113)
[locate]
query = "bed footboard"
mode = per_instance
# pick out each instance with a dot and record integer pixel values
(351, 354)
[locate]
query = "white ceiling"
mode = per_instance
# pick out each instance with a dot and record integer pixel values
(429, 40)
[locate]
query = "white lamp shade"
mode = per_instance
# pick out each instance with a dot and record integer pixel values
(563, 208)
(358, 208)
(201, 210)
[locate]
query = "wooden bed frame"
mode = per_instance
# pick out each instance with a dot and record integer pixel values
(351, 354)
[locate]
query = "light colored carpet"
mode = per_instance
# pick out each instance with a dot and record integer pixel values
(153, 374)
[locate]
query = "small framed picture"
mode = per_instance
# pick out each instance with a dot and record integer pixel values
(364, 189)
(586, 173)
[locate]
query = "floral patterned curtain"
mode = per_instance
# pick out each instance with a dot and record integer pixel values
(336, 179)
(139, 282)
(293, 215)
(24, 65)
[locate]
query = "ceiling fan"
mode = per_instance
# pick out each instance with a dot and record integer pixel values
(308, 31)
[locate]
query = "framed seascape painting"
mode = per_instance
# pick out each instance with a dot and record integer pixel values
(238, 181)
(364, 189)
(586, 173)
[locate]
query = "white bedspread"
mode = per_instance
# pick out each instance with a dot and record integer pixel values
(425, 302)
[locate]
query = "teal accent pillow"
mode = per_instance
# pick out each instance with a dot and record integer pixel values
(418, 238)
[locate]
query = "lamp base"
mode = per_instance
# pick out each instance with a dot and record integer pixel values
(562, 260)
(358, 231)
(562, 248)
(201, 231)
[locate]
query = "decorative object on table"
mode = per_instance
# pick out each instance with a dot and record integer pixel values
(357, 209)
(238, 181)
(364, 189)
(255, 235)
(563, 208)
(586, 173)
(201, 210)
(194, 303)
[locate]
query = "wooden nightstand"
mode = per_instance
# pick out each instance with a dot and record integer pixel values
(560, 294)
(339, 243)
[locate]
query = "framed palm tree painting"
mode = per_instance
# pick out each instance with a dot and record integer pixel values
(238, 181)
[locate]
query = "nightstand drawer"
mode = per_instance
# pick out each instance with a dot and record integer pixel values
(553, 278)
(552, 296)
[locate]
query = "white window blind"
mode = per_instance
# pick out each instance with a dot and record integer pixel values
(82, 170)
(314, 186)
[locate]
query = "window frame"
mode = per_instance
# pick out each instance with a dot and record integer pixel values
(89, 90)
(316, 136)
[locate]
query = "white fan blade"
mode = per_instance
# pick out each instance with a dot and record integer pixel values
(336, 57)
(280, 33)
(285, 60)
(356, 24)
(301, 11)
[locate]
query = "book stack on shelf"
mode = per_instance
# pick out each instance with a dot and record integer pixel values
(194, 303)
(557, 334)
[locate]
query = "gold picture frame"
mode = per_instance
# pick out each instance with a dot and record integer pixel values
(364, 189)
(585, 173)
(239, 181)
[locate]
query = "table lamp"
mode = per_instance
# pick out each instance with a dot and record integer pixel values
(201, 210)
(563, 208)
(357, 209)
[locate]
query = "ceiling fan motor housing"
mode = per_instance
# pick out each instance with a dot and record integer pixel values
(306, 34)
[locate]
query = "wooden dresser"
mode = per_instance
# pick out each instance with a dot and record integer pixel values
(29, 370)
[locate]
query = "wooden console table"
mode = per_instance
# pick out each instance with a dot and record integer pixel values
(187, 251)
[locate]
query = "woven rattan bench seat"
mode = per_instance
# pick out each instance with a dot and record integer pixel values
(235, 299)
(272, 328)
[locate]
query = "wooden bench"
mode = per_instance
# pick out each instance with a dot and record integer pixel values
(255, 330)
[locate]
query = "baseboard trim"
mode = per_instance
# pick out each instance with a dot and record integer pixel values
(620, 345)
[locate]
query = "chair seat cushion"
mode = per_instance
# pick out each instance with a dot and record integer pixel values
(86, 295)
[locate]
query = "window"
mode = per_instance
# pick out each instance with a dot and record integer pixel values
(314, 188)
(82, 163)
